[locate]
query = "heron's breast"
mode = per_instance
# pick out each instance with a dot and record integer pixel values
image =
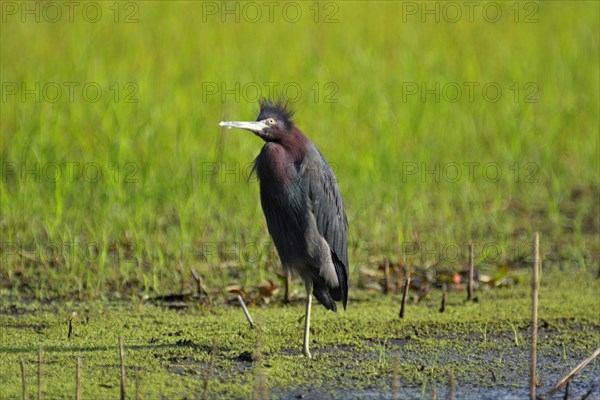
(276, 167)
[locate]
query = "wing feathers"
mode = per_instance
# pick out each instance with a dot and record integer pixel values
(328, 208)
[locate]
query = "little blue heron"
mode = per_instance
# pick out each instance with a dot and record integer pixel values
(303, 207)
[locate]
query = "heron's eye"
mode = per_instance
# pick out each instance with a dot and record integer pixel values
(271, 121)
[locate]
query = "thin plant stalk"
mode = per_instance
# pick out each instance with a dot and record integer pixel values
(534, 315)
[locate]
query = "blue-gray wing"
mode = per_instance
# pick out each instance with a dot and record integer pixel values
(328, 208)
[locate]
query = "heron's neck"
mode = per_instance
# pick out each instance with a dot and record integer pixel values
(295, 144)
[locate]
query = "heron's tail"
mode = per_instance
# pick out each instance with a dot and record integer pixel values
(322, 293)
(329, 295)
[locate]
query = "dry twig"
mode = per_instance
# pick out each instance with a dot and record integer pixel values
(565, 379)
(40, 380)
(23, 380)
(78, 379)
(404, 295)
(248, 317)
(122, 354)
(534, 315)
(471, 272)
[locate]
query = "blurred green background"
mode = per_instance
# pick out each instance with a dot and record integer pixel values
(443, 122)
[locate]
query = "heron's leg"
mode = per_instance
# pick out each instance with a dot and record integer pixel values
(309, 289)
(288, 283)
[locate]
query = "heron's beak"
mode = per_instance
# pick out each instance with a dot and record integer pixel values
(254, 126)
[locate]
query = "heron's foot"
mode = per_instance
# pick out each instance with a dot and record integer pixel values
(306, 352)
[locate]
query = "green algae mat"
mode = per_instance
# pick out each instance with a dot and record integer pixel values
(202, 351)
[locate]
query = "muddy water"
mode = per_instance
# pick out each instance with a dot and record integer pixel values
(497, 370)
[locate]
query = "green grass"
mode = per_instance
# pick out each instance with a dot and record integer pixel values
(157, 210)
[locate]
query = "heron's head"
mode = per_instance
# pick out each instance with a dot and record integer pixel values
(273, 122)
